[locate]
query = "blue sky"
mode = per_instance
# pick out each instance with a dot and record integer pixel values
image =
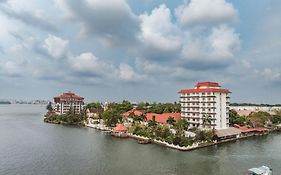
(140, 50)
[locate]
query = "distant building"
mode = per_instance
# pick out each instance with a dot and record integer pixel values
(205, 100)
(68, 100)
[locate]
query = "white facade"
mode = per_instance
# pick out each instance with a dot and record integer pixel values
(205, 102)
(66, 101)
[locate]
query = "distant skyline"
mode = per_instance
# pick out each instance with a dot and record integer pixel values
(139, 50)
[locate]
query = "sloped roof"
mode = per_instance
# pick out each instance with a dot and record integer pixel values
(162, 118)
(228, 132)
(210, 84)
(136, 112)
(120, 127)
(69, 95)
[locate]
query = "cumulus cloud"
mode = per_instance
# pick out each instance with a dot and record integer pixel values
(88, 64)
(127, 73)
(159, 36)
(271, 74)
(213, 51)
(55, 46)
(11, 69)
(112, 21)
(36, 18)
(205, 11)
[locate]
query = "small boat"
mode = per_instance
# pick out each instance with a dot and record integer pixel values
(263, 170)
(143, 141)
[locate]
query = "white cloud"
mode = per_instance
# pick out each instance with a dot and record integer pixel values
(26, 12)
(89, 65)
(205, 12)
(56, 47)
(214, 50)
(158, 31)
(224, 41)
(271, 74)
(127, 73)
(113, 21)
(11, 69)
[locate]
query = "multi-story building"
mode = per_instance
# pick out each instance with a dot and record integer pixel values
(206, 105)
(68, 100)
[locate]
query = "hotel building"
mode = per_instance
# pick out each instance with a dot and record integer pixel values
(68, 100)
(205, 100)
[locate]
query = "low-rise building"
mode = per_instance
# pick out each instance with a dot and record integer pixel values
(68, 100)
(162, 118)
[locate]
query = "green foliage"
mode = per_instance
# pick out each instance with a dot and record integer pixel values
(180, 126)
(111, 118)
(204, 135)
(171, 121)
(70, 118)
(161, 108)
(207, 120)
(153, 122)
(49, 107)
(96, 105)
(252, 104)
(139, 119)
(258, 119)
(235, 118)
(275, 119)
(120, 108)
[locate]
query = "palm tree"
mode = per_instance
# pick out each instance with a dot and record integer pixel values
(180, 126)
(153, 122)
(206, 120)
(171, 121)
(49, 107)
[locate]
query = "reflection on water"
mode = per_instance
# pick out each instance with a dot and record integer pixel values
(29, 146)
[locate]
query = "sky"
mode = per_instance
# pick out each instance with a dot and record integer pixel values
(139, 50)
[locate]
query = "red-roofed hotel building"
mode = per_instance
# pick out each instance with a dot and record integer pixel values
(64, 102)
(205, 99)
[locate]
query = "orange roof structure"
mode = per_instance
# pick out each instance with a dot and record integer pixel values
(120, 127)
(136, 113)
(245, 129)
(162, 118)
(205, 87)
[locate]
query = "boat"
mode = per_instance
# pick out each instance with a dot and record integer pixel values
(143, 141)
(263, 170)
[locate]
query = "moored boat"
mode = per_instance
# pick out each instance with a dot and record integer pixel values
(263, 170)
(144, 141)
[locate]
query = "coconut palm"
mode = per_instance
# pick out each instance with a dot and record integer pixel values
(206, 120)
(171, 121)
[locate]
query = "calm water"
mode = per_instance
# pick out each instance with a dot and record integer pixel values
(30, 147)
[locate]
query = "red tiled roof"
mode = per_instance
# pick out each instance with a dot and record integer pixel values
(226, 91)
(245, 129)
(120, 127)
(136, 112)
(69, 95)
(162, 118)
(210, 84)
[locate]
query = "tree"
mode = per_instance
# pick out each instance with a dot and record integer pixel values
(110, 118)
(235, 118)
(258, 119)
(206, 120)
(140, 118)
(153, 122)
(180, 126)
(171, 121)
(49, 107)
